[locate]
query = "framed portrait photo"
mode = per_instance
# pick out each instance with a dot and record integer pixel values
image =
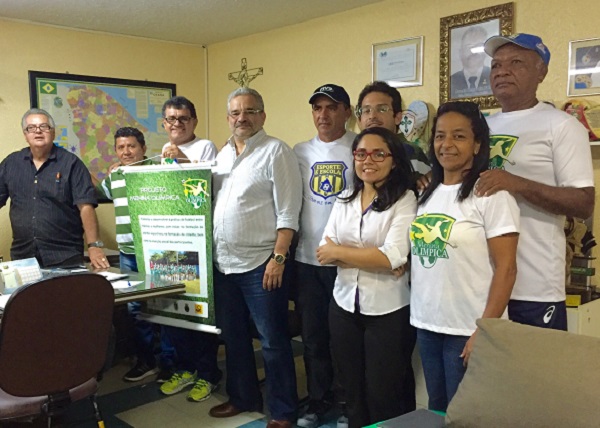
(464, 66)
(399, 63)
(584, 67)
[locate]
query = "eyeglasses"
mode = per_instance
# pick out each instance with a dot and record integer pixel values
(376, 155)
(43, 127)
(250, 112)
(381, 108)
(171, 120)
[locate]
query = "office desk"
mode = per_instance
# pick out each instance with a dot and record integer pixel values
(149, 288)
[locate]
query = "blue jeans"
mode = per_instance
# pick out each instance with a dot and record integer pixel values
(237, 298)
(144, 330)
(442, 365)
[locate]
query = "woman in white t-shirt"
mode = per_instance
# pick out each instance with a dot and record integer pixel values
(463, 250)
(367, 238)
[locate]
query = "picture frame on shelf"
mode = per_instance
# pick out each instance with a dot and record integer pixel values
(584, 67)
(464, 66)
(399, 63)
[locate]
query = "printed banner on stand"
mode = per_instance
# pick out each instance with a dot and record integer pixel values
(171, 220)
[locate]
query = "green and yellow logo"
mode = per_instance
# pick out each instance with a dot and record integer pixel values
(195, 191)
(328, 178)
(430, 234)
(500, 148)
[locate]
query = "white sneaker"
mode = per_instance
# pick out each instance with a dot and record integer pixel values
(308, 420)
(342, 422)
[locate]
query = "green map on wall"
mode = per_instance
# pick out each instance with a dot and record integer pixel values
(89, 110)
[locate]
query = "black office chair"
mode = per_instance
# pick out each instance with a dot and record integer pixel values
(53, 340)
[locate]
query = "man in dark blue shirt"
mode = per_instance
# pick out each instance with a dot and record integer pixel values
(52, 199)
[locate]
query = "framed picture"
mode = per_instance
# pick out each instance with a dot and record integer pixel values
(584, 67)
(399, 63)
(464, 66)
(88, 110)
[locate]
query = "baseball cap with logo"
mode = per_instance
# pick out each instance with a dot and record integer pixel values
(527, 41)
(335, 92)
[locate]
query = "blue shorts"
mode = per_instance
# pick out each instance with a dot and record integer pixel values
(539, 314)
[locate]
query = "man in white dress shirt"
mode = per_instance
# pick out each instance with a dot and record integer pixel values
(258, 195)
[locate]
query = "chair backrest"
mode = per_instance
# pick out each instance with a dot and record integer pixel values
(54, 334)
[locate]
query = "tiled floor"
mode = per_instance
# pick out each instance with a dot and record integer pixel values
(141, 405)
(175, 411)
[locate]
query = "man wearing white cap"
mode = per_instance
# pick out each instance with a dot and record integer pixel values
(326, 165)
(542, 156)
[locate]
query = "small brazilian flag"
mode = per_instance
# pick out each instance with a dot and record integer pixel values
(47, 87)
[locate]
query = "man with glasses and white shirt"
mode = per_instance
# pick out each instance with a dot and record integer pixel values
(52, 199)
(381, 105)
(196, 351)
(180, 121)
(258, 194)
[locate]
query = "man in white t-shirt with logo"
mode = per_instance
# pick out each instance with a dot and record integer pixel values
(326, 166)
(180, 121)
(542, 156)
(196, 350)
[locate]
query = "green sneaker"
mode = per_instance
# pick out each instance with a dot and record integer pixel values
(201, 391)
(177, 382)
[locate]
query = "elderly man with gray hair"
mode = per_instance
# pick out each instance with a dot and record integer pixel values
(258, 195)
(52, 199)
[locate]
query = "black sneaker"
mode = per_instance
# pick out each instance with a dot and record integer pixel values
(139, 372)
(164, 375)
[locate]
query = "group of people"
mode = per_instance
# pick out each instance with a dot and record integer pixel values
(174, 272)
(394, 247)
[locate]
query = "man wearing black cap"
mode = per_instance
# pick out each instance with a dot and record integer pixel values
(326, 168)
(542, 156)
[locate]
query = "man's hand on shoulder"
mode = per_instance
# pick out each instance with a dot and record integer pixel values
(494, 180)
(423, 181)
(113, 167)
(97, 258)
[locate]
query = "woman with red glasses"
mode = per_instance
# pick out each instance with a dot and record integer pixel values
(366, 237)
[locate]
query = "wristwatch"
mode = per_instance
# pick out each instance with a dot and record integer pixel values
(96, 244)
(279, 258)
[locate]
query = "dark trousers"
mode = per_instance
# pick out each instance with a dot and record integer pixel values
(196, 352)
(144, 330)
(237, 298)
(315, 290)
(551, 315)
(374, 354)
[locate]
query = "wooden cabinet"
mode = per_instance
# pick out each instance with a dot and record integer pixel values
(585, 319)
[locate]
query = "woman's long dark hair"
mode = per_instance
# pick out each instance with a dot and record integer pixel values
(481, 160)
(400, 178)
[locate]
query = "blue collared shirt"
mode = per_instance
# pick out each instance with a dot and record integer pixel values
(44, 215)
